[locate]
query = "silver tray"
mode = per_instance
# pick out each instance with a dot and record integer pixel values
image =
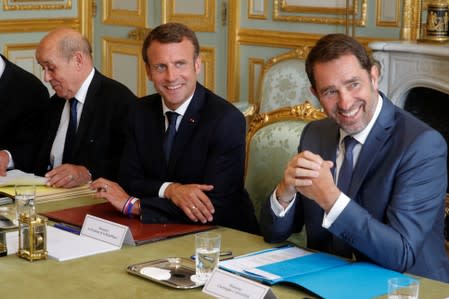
(174, 272)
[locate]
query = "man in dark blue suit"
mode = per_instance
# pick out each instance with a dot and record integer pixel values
(201, 178)
(391, 212)
(24, 100)
(94, 106)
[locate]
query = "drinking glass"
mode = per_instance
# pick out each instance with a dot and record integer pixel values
(24, 200)
(207, 251)
(403, 288)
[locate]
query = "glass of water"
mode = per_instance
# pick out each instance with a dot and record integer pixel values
(403, 288)
(24, 200)
(207, 251)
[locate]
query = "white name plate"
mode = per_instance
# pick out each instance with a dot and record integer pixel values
(223, 284)
(104, 230)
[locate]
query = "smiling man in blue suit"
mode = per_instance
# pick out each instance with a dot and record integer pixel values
(378, 197)
(197, 177)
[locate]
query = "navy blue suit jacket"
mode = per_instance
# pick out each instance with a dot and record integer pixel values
(101, 132)
(24, 100)
(209, 149)
(395, 216)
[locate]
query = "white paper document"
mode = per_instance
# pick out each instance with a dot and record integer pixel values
(64, 246)
(249, 263)
(100, 236)
(18, 177)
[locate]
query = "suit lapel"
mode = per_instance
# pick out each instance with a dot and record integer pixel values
(90, 105)
(379, 134)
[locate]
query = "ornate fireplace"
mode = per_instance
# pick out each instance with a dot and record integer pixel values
(416, 77)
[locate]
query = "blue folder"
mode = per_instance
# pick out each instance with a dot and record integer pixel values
(328, 276)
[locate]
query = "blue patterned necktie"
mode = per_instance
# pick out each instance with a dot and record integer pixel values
(345, 175)
(339, 246)
(71, 132)
(169, 134)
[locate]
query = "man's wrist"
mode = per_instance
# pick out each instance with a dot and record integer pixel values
(283, 199)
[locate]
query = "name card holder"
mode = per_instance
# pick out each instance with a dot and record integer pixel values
(226, 285)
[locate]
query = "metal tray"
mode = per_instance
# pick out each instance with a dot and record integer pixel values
(174, 272)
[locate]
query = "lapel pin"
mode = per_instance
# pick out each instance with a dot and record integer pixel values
(192, 120)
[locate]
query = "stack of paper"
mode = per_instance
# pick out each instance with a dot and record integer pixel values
(18, 177)
(46, 194)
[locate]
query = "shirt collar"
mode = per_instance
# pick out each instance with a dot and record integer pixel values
(2, 66)
(82, 92)
(363, 135)
(181, 109)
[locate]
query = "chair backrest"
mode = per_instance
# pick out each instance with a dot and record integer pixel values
(272, 140)
(284, 83)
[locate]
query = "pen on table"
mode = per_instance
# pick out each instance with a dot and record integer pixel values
(67, 228)
(224, 255)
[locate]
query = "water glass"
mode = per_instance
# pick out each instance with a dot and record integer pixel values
(403, 288)
(207, 251)
(24, 199)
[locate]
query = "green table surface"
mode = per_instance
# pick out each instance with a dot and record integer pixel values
(104, 275)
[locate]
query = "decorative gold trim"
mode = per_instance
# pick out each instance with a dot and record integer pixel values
(20, 6)
(252, 15)
(203, 23)
(18, 47)
(233, 74)
(8, 49)
(85, 12)
(302, 112)
(319, 20)
(383, 23)
(282, 39)
(125, 17)
(411, 20)
(317, 9)
(128, 47)
(139, 33)
(208, 59)
(253, 89)
(37, 25)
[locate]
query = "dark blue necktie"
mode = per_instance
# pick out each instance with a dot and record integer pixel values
(345, 175)
(339, 246)
(71, 132)
(169, 134)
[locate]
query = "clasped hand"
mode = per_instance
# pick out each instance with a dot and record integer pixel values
(191, 198)
(310, 175)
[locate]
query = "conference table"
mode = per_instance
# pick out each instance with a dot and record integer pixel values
(105, 276)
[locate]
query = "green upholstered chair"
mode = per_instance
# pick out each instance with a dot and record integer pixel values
(284, 83)
(272, 140)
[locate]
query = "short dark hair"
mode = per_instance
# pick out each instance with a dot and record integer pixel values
(170, 33)
(333, 46)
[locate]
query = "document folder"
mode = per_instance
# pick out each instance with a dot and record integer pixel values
(325, 275)
(142, 233)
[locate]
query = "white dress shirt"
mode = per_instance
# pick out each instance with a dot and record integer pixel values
(181, 111)
(343, 199)
(58, 144)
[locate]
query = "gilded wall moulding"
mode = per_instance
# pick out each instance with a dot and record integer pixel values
(36, 4)
(198, 15)
(311, 13)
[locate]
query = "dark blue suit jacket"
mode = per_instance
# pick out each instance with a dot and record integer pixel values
(101, 132)
(209, 149)
(23, 100)
(395, 217)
